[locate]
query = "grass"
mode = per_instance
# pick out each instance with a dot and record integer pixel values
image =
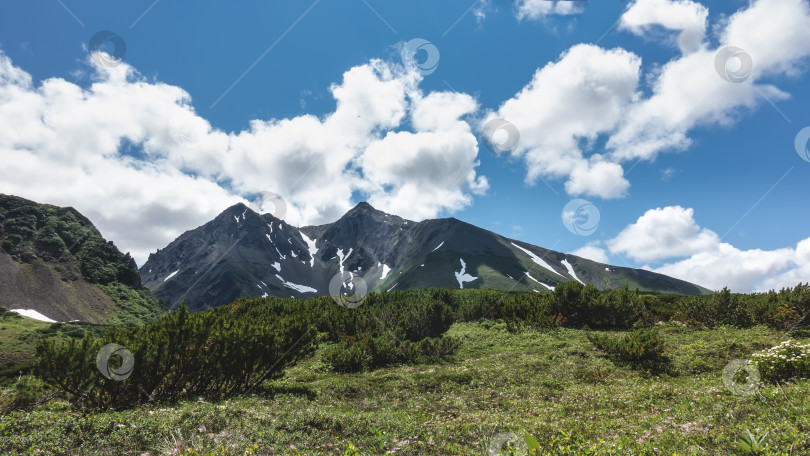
(554, 384)
(18, 336)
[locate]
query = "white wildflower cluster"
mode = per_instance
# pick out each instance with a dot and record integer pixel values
(788, 350)
(788, 359)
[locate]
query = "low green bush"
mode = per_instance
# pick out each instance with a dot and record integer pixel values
(180, 356)
(636, 346)
(371, 352)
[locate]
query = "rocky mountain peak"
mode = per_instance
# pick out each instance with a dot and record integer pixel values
(241, 253)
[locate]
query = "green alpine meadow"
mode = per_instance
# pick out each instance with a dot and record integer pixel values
(432, 371)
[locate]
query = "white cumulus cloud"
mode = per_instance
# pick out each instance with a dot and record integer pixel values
(698, 255)
(592, 252)
(667, 232)
(568, 103)
(135, 157)
(685, 16)
(591, 93)
(688, 92)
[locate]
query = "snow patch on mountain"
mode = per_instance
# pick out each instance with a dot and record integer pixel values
(33, 314)
(312, 249)
(171, 275)
(277, 265)
(462, 275)
(437, 247)
(343, 257)
(538, 260)
(541, 283)
(300, 288)
(571, 270)
(385, 271)
(296, 287)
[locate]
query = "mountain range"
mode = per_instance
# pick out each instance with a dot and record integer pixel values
(243, 253)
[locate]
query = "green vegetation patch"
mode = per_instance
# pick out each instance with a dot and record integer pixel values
(497, 383)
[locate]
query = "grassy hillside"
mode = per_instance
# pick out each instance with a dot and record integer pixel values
(55, 261)
(553, 384)
(19, 336)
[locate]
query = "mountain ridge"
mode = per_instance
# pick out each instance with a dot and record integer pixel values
(242, 253)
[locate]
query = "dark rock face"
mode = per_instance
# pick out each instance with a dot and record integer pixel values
(242, 253)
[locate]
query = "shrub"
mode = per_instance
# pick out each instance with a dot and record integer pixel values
(427, 350)
(49, 244)
(180, 356)
(637, 346)
(351, 355)
(787, 360)
(425, 318)
(11, 242)
(346, 358)
(797, 333)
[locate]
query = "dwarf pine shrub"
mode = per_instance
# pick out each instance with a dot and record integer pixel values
(181, 356)
(636, 346)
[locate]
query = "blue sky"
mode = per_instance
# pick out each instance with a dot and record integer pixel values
(731, 187)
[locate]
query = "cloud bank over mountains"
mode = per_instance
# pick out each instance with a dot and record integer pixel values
(671, 239)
